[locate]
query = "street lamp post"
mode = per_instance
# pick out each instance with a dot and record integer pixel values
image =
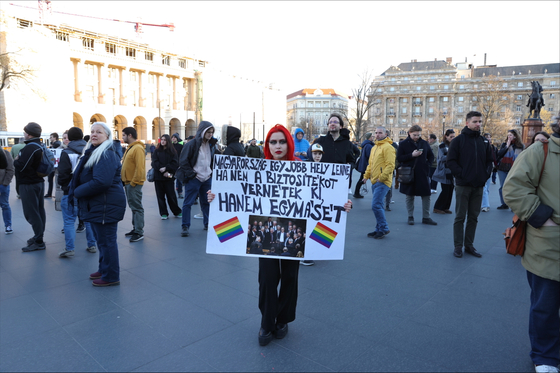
(443, 128)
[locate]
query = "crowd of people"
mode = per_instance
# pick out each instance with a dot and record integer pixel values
(98, 180)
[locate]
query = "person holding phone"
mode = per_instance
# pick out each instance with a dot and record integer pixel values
(416, 152)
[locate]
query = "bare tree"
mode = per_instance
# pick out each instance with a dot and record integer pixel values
(12, 72)
(364, 98)
(492, 101)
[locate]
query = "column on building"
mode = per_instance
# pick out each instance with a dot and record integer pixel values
(122, 86)
(141, 98)
(78, 84)
(101, 73)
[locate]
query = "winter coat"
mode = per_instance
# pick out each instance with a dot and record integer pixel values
(134, 164)
(442, 174)
(364, 159)
(381, 162)
(7, 173)
(27, 163)
(99, 189)
(253, 151)
(162, 158)
(300, 146)
(234, 147)
(421, 184)
(435, 150)
(68, 162)
(339, 151)
(512, 151)
(542, 249)
(470, 159)
(3, 161)
(189, 154)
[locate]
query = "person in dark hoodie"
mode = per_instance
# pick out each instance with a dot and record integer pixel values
(55, 143)
(165, 163)
(196, 173)
(336, 144)
(178, 145)
(31, 185)
(363, 163)
(67, 163)
(232, 136)
(470, 160)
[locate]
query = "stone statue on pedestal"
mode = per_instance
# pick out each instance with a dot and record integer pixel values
(536, 100)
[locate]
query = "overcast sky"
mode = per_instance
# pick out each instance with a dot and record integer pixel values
(328, 43)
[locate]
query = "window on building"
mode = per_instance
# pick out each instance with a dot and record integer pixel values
(112, 73)
(133, 76)
(392, 89)
(444, 110)
(520, 84)
(447, 77)
(417, 109)
(445, 99)
(393, 79)
(165, 60)
(418, 88)
(416, 120)
(458, 120)
(23, 23)
(392, 100)
(460, 98)
(149, 56)
(432, 99)
(379, 89)
(520, 97)
(110, 48)
(474, 108)
(90, 93)
(553, 83)
(418, 78)
(461, 86)
(462, 77)
(430, 120)
(130, 52)
(182, 63)
(405, 100)
(90, 69)
(459, 109)
(551, 108)
(475, 86)
(445, 87)
(87, 43)
(390, 120)
(403, 120)
(432, 78)
(406, 79)
(432, 87)
(404, 110)
(62, 36)
(430, 110)
(504, 85)
(151, 78)
(552, 95)
(504, 98)
(517, 120)
(325, 104)
(310, 104)
(518, 108)
(474, 98)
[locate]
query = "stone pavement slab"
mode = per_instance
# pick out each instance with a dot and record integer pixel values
(403, 303)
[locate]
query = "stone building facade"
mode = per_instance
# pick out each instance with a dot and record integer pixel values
(83, 76)
(438, 94)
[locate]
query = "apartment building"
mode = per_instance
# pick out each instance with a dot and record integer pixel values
(438, 94)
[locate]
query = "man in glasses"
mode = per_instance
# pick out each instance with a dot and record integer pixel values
(337, 147)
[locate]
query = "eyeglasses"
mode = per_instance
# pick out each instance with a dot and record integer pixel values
(281, 142)
(333, 122)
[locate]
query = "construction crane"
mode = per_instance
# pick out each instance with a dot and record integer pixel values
(45, 6)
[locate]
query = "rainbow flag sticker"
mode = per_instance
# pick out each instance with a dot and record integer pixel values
(323, 235)
(228, 229)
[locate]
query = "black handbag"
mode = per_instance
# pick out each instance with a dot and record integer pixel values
(406, 173)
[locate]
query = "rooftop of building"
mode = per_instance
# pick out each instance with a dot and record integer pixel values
(545, 68)
(311, 91)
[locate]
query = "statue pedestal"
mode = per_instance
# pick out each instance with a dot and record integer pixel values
(530, 127)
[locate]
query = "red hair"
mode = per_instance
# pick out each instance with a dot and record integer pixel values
(280, 128)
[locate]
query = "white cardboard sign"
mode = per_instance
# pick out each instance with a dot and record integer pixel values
(277, 201)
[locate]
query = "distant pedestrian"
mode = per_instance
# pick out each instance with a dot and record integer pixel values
(165, 163)
(6, 176)
(536, 200)
(367, 144)
(253, 151)
(32, 185)
(486, 190)
(133, 177)
(178, 145)
(416, 153)
(97, 185)
(444, 176)
(380, 172)
(301, 144)
(470, 160)
(233, 146)
(509, 151)
(55, 143)
(434, 145)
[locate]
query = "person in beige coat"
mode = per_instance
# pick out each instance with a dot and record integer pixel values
(541, 209)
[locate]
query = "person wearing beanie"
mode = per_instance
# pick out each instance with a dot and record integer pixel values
(178, 145)
(68, 162)
(195, 173)
(32, 186)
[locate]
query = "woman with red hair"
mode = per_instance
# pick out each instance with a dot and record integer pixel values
(278, 308)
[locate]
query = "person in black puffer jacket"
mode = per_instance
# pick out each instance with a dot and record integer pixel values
(165, 163)
(97, 185)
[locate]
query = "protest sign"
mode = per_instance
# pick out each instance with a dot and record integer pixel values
(266, 208)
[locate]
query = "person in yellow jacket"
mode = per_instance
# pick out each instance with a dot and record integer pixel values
(540, 208)
(380, 171)
(133, 175)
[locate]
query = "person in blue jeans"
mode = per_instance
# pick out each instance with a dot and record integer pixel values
(68, 161)
(6, 176)
(196, 171)
(380, 172)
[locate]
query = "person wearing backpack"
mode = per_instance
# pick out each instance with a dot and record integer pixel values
(31, 183)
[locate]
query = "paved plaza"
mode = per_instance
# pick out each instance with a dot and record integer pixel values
(403, 303)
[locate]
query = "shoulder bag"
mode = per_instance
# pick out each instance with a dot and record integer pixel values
(406, 173)
(515, 236)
